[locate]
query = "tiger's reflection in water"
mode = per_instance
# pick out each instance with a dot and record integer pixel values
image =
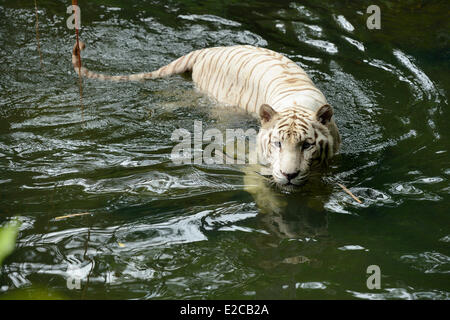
(298, 214)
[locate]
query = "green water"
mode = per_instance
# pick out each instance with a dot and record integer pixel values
(156, 230)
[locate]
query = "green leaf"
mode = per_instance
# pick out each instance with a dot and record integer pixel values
(8, 236)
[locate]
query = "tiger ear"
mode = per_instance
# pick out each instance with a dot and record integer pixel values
(266, 113)
(324, 114)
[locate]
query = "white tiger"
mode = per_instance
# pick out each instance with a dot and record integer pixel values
(298, 130)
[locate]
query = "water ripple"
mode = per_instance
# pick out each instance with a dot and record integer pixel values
(154, 229)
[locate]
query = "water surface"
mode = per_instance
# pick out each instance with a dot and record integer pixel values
(157, 230)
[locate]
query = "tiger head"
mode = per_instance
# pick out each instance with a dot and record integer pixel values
(294, 140)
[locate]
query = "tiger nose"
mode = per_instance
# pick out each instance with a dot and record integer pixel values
(290, 176)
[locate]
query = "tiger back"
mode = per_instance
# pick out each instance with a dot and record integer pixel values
(248, 77)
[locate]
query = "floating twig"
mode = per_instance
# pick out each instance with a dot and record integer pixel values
(72, 215)
(349, 192)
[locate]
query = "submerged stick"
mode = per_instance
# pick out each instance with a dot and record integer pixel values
(37, 33)
(349, 192)
(78, 51)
